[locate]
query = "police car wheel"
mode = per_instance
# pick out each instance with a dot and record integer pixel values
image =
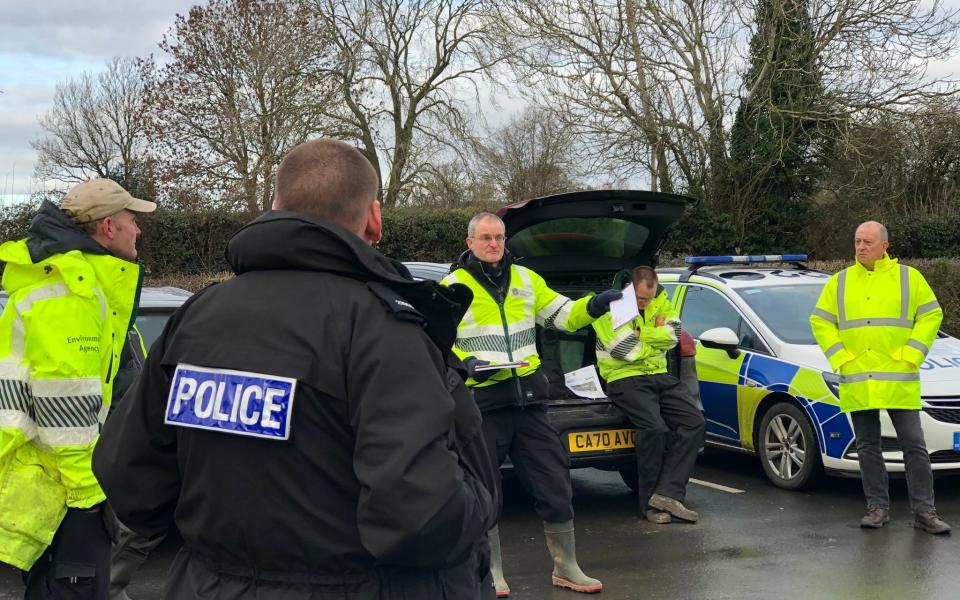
(788, 448)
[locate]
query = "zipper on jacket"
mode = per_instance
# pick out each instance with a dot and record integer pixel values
(501, 300)
(113, 338)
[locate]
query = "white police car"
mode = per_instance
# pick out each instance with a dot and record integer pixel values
(766, 386)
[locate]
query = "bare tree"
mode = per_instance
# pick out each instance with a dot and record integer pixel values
(533, 155)
(403, 70)
(652, 84)
(96, 127)
(241, 88)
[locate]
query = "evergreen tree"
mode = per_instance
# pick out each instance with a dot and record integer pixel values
(781, 136)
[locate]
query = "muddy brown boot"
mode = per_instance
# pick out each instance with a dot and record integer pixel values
(875, 518)
(496, 563)
(566, 571)
(658, 516)
(930, 522)
(674, 507)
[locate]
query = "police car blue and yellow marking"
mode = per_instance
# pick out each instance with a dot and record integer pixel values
(228, 401)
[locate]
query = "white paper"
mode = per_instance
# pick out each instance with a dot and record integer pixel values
(498, 366)
(625, 309)
(584, 382)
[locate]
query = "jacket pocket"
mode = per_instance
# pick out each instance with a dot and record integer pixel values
(32, 501)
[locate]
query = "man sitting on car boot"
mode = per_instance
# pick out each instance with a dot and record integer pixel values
(633, 361)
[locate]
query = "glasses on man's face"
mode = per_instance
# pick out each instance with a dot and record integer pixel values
(486, 239)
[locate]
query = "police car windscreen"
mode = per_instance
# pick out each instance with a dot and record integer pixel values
(785, 309)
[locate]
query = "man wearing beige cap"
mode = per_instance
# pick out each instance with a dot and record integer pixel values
(64, 335)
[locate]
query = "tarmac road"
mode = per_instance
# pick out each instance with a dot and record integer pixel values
(753, 541)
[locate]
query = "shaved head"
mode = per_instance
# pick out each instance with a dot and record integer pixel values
(328, 179)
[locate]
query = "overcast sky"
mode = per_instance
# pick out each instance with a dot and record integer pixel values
(47, 41)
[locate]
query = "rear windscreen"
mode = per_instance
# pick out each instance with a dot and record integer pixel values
(574, 236)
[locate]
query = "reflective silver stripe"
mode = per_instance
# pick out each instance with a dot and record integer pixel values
(854, 323)
(905, 293)
(918, 346)
(834, 349)
(48, 292)
(14, 419)
(904, 321)
(57, 388)
(925, 308)
(68, 436)
(829, 318)
(879, 376)
(841, 293)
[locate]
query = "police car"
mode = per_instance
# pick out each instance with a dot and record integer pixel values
(766, 386)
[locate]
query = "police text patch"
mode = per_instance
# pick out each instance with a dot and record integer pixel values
(230, 401)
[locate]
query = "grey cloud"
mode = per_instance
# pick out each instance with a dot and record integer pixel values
(98, 28)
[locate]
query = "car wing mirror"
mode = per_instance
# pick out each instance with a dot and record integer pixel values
(721, 338)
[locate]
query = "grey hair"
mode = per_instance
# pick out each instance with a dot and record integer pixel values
(884, 236)
(472, 225)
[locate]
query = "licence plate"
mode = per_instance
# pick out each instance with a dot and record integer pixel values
(956, 441)
(592, 441)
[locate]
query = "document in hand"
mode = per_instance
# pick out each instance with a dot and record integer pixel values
(625, 309)
(497, 366)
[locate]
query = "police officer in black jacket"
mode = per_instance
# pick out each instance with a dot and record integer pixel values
(295, 422)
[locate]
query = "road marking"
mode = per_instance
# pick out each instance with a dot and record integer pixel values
(716, 486)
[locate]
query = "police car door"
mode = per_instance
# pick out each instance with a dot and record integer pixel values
(722, 381)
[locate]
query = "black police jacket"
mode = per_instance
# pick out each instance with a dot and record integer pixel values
(369, 479)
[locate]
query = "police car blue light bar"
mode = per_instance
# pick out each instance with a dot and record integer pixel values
(744, 260)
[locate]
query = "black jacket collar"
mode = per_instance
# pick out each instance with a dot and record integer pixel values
(281, 240)
(52, 232)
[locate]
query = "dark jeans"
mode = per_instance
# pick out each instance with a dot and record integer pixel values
(76, 565)
(873, 472)
(669, 432)
(538, 456)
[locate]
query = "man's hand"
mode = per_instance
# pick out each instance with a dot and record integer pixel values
(600, 303)
(471, 363)
(660, 320)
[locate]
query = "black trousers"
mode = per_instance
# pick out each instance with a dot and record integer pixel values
(669, 432)
(538, 456)
(76, 565)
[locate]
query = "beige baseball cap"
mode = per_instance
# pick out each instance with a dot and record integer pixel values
(99, 198)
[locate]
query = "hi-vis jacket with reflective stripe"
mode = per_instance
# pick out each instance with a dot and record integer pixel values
(503, 330)
(61, 336)
(876, 327)
(637, 349)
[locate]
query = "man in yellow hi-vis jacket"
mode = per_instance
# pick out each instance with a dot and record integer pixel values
(875, 322)
(73, 295)
(499, 328)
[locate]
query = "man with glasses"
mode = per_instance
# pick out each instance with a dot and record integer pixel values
(500, 328)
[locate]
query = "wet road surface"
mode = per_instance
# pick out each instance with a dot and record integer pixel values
(753, 541)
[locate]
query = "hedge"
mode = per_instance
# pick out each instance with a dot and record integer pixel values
(186, 248)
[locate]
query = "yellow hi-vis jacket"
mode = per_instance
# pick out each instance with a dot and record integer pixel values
(876, 327)
(61, 335)
(638, 348)
(507, 333)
